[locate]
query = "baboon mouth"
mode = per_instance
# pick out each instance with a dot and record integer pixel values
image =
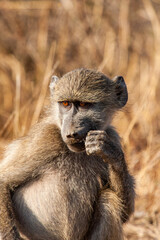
(78, 146)
(74, 141)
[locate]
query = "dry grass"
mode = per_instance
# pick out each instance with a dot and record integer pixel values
(39, 38)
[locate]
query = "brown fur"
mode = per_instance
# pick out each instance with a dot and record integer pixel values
(51, 192)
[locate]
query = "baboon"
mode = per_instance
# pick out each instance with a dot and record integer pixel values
(68, 179)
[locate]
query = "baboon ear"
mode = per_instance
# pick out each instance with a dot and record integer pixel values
(121, 91)
(53, 82)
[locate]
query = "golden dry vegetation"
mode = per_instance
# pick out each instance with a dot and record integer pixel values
(41, 38)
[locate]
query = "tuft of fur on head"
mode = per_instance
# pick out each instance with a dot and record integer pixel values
(89, 85)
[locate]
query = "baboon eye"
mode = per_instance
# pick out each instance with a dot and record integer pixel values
(66, 103)
(82, 104)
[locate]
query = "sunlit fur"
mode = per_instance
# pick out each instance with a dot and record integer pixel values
(48, 190)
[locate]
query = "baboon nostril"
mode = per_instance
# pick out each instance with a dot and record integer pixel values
(72, 135)
(75, 135)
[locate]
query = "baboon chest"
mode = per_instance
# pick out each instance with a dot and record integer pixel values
(62, 198)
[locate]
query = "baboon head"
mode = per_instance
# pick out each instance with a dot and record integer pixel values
(85, 100)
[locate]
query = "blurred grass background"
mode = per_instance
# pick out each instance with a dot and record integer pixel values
(41, 38)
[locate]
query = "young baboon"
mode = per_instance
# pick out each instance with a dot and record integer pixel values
(68, 179)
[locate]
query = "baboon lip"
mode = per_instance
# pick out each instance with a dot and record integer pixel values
(74, 141)
(77, 146)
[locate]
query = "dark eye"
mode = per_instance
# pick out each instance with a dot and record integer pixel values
(82, 104)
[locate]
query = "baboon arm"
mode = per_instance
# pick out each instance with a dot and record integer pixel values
(120, 180)
(13, 171)
(107, 145)
(106, 224)
(8, 229)
(123, 184)
(22, 161)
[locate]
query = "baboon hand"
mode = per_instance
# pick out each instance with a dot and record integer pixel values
(98, 143)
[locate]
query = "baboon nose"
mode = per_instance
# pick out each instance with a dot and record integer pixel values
(72, 135)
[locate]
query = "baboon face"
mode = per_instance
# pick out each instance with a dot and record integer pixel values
(85, 100)
(77, 119)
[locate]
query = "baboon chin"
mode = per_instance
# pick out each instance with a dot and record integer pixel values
(68, 178)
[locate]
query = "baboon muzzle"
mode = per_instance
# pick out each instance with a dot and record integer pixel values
(76, 135)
